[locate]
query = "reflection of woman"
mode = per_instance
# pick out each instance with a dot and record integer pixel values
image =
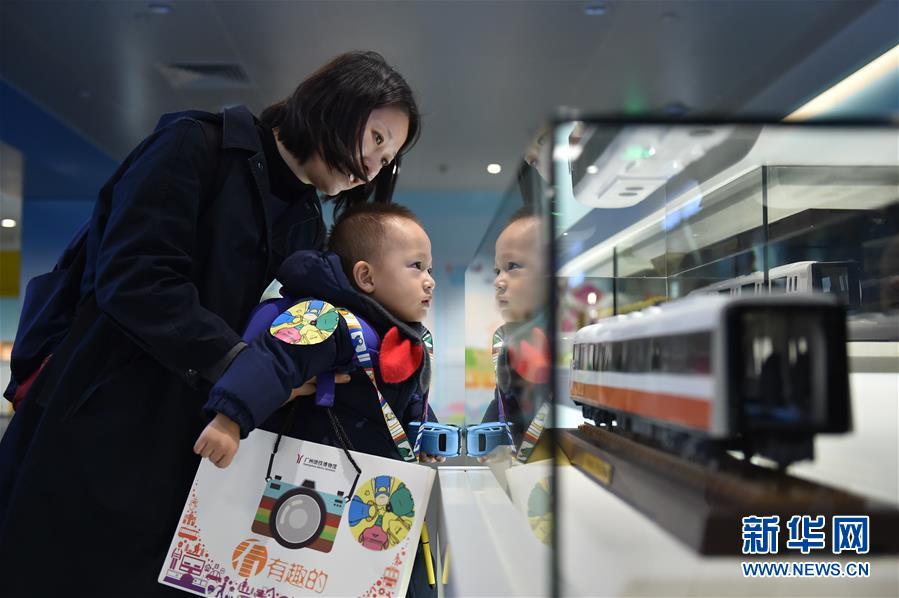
(184, 238)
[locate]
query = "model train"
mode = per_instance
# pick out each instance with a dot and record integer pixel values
(698, 376)
(840, 279)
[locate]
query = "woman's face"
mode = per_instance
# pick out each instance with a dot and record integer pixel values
(384, 135)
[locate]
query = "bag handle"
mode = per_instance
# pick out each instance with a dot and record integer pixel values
(341, 438)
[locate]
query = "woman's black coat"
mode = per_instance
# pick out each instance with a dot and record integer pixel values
(95, 468)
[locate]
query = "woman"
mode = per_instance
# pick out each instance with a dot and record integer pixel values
(183, 240)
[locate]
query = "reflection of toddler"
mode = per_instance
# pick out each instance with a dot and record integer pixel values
(519, 268)
(520, 347)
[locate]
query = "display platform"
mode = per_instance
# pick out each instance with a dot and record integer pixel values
(609, 548)
(702, 504)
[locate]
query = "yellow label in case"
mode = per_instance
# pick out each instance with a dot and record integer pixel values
(595, 466)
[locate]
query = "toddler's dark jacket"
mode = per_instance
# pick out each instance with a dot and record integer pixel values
(252, 391)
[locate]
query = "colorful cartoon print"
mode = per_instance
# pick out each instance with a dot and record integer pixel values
(381, 512)
(306, 323)
(539, 512)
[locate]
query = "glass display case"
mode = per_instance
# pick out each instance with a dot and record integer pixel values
(673, 326)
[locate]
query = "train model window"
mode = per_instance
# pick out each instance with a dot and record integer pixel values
(840, 280)
(605, 362)
(699, 349)
(680, 354)
(640, 355)
(782, 357)
(779, 285)
(655, 352)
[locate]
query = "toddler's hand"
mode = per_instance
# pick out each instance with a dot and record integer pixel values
(426, 458)
(219, 441)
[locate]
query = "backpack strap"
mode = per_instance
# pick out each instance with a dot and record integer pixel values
(533, 433)
(365, 362)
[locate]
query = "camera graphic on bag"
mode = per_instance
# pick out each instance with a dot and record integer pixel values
(298, 516)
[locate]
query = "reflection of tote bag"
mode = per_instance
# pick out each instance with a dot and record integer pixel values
(315, 526)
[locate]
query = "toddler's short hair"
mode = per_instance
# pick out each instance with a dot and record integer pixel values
(359, 232)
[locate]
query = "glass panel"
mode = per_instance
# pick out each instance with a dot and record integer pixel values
(507, 398)
(840, 219)
(706, 281)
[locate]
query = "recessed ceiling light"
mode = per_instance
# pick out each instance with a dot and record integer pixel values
(675, 109)
(8, 223)
(159, 8)
(592, 169)
(494, 168)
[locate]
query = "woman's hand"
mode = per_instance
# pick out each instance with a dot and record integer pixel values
(308, 387)
(219, 441)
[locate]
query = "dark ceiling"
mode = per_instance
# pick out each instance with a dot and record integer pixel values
(486, 73)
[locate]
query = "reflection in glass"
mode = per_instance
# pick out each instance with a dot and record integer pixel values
(707, 279)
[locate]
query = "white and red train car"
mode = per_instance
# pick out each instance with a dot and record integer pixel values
(762, 374)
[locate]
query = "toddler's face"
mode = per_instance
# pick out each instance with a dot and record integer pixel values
(402, 271)
(519, 267)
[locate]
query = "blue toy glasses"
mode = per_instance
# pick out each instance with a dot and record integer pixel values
(445, 440)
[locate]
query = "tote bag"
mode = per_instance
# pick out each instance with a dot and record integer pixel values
(312, 526)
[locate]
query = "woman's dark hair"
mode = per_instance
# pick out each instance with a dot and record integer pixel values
(328, 111)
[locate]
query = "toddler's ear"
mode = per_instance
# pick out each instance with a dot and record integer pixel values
(363, 277)
(398, 357)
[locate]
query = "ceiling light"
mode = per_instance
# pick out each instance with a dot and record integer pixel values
(567, 152)
(877, 70)
(8, 223)
(494, 168)
(159, 8)
(592, 169)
